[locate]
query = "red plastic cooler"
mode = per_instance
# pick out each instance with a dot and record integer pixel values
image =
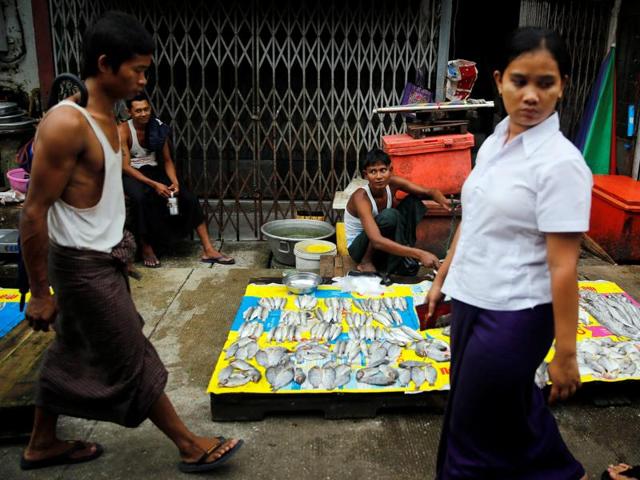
(615, 216)
(441, 162)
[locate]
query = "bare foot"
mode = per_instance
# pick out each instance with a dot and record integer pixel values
(366, 266)
(149, 258)
(616, 471)
(59, 447)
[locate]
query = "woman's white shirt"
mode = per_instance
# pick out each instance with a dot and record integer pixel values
(537, 183)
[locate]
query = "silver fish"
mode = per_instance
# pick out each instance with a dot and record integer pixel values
(280, 376)
(229, 377)
(418, 376)
(404, 377)
(247, 313)
(315, 376)
(271, 356)
(382, 375)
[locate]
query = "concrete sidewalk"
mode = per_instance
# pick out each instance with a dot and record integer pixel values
(188, 308)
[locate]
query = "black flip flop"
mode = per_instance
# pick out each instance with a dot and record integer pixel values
(202, 466)
(212, 260)
(65, 458)
(633, 472)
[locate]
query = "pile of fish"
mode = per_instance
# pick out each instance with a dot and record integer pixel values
(418, 373)
(238, 373)
(614, 311)
(602, 358)
(326, 355)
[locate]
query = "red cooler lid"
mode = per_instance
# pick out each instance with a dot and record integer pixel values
(621, 189)
(404, 144)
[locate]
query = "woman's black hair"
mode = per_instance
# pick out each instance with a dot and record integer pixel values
(118, 36)
(530, 39)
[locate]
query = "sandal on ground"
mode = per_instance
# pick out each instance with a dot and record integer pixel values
(201, 465)
(221, 259)
(64, 458)
(631, 472)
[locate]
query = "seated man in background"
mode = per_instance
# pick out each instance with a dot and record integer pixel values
(149, 181)
(380, 236)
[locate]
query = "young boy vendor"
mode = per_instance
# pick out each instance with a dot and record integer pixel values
(381, 235)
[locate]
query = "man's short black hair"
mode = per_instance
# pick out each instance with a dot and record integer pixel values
(374, 157)
(141, 97)
(118, 36)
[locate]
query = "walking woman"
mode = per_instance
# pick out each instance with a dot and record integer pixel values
(512, 275)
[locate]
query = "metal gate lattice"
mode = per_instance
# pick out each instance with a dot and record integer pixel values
(584, 26)
(270, 102)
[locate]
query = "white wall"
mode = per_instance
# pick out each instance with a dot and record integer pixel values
(20, 75)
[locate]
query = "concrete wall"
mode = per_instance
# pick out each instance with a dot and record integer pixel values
(19, 77)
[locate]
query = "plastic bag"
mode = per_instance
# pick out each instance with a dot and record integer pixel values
(363, 285)
(461, 76)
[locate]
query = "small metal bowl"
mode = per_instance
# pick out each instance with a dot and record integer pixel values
(302, 282)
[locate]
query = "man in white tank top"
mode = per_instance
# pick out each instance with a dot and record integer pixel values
(380, 234)
(149, 180)
(100, 364)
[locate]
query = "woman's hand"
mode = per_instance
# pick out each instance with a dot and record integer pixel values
(434, 297)
(175, 188)
(564, 375)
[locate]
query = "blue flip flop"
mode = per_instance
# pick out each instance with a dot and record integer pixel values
(201, 465)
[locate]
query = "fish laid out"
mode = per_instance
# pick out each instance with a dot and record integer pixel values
(432, 348)
(329, 376)
(245, 348)
(338, 304)
(238, 373)
(601, 358)
(383, 375)
(418, 373)
(252, 330)
(614, 311)
(336, 340)
(306, 302)
(606, 359)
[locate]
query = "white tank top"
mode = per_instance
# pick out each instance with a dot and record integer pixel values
(140, 156)
(100, 227)
(353, 225)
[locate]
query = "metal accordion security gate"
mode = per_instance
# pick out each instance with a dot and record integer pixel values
(584, 26)
(270, 102)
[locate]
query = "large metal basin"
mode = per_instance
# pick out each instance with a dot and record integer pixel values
(282, 236)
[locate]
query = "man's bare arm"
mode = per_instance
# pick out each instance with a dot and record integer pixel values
(380, 242)
(419, 191)
(60, 140)
(125, 138)
(170, 166)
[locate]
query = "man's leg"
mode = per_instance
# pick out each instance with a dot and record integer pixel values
(192, 216)
(361, 249)
(410, 212)
(136, 191)
(208, 252)
(190, 446)
(44, 443)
